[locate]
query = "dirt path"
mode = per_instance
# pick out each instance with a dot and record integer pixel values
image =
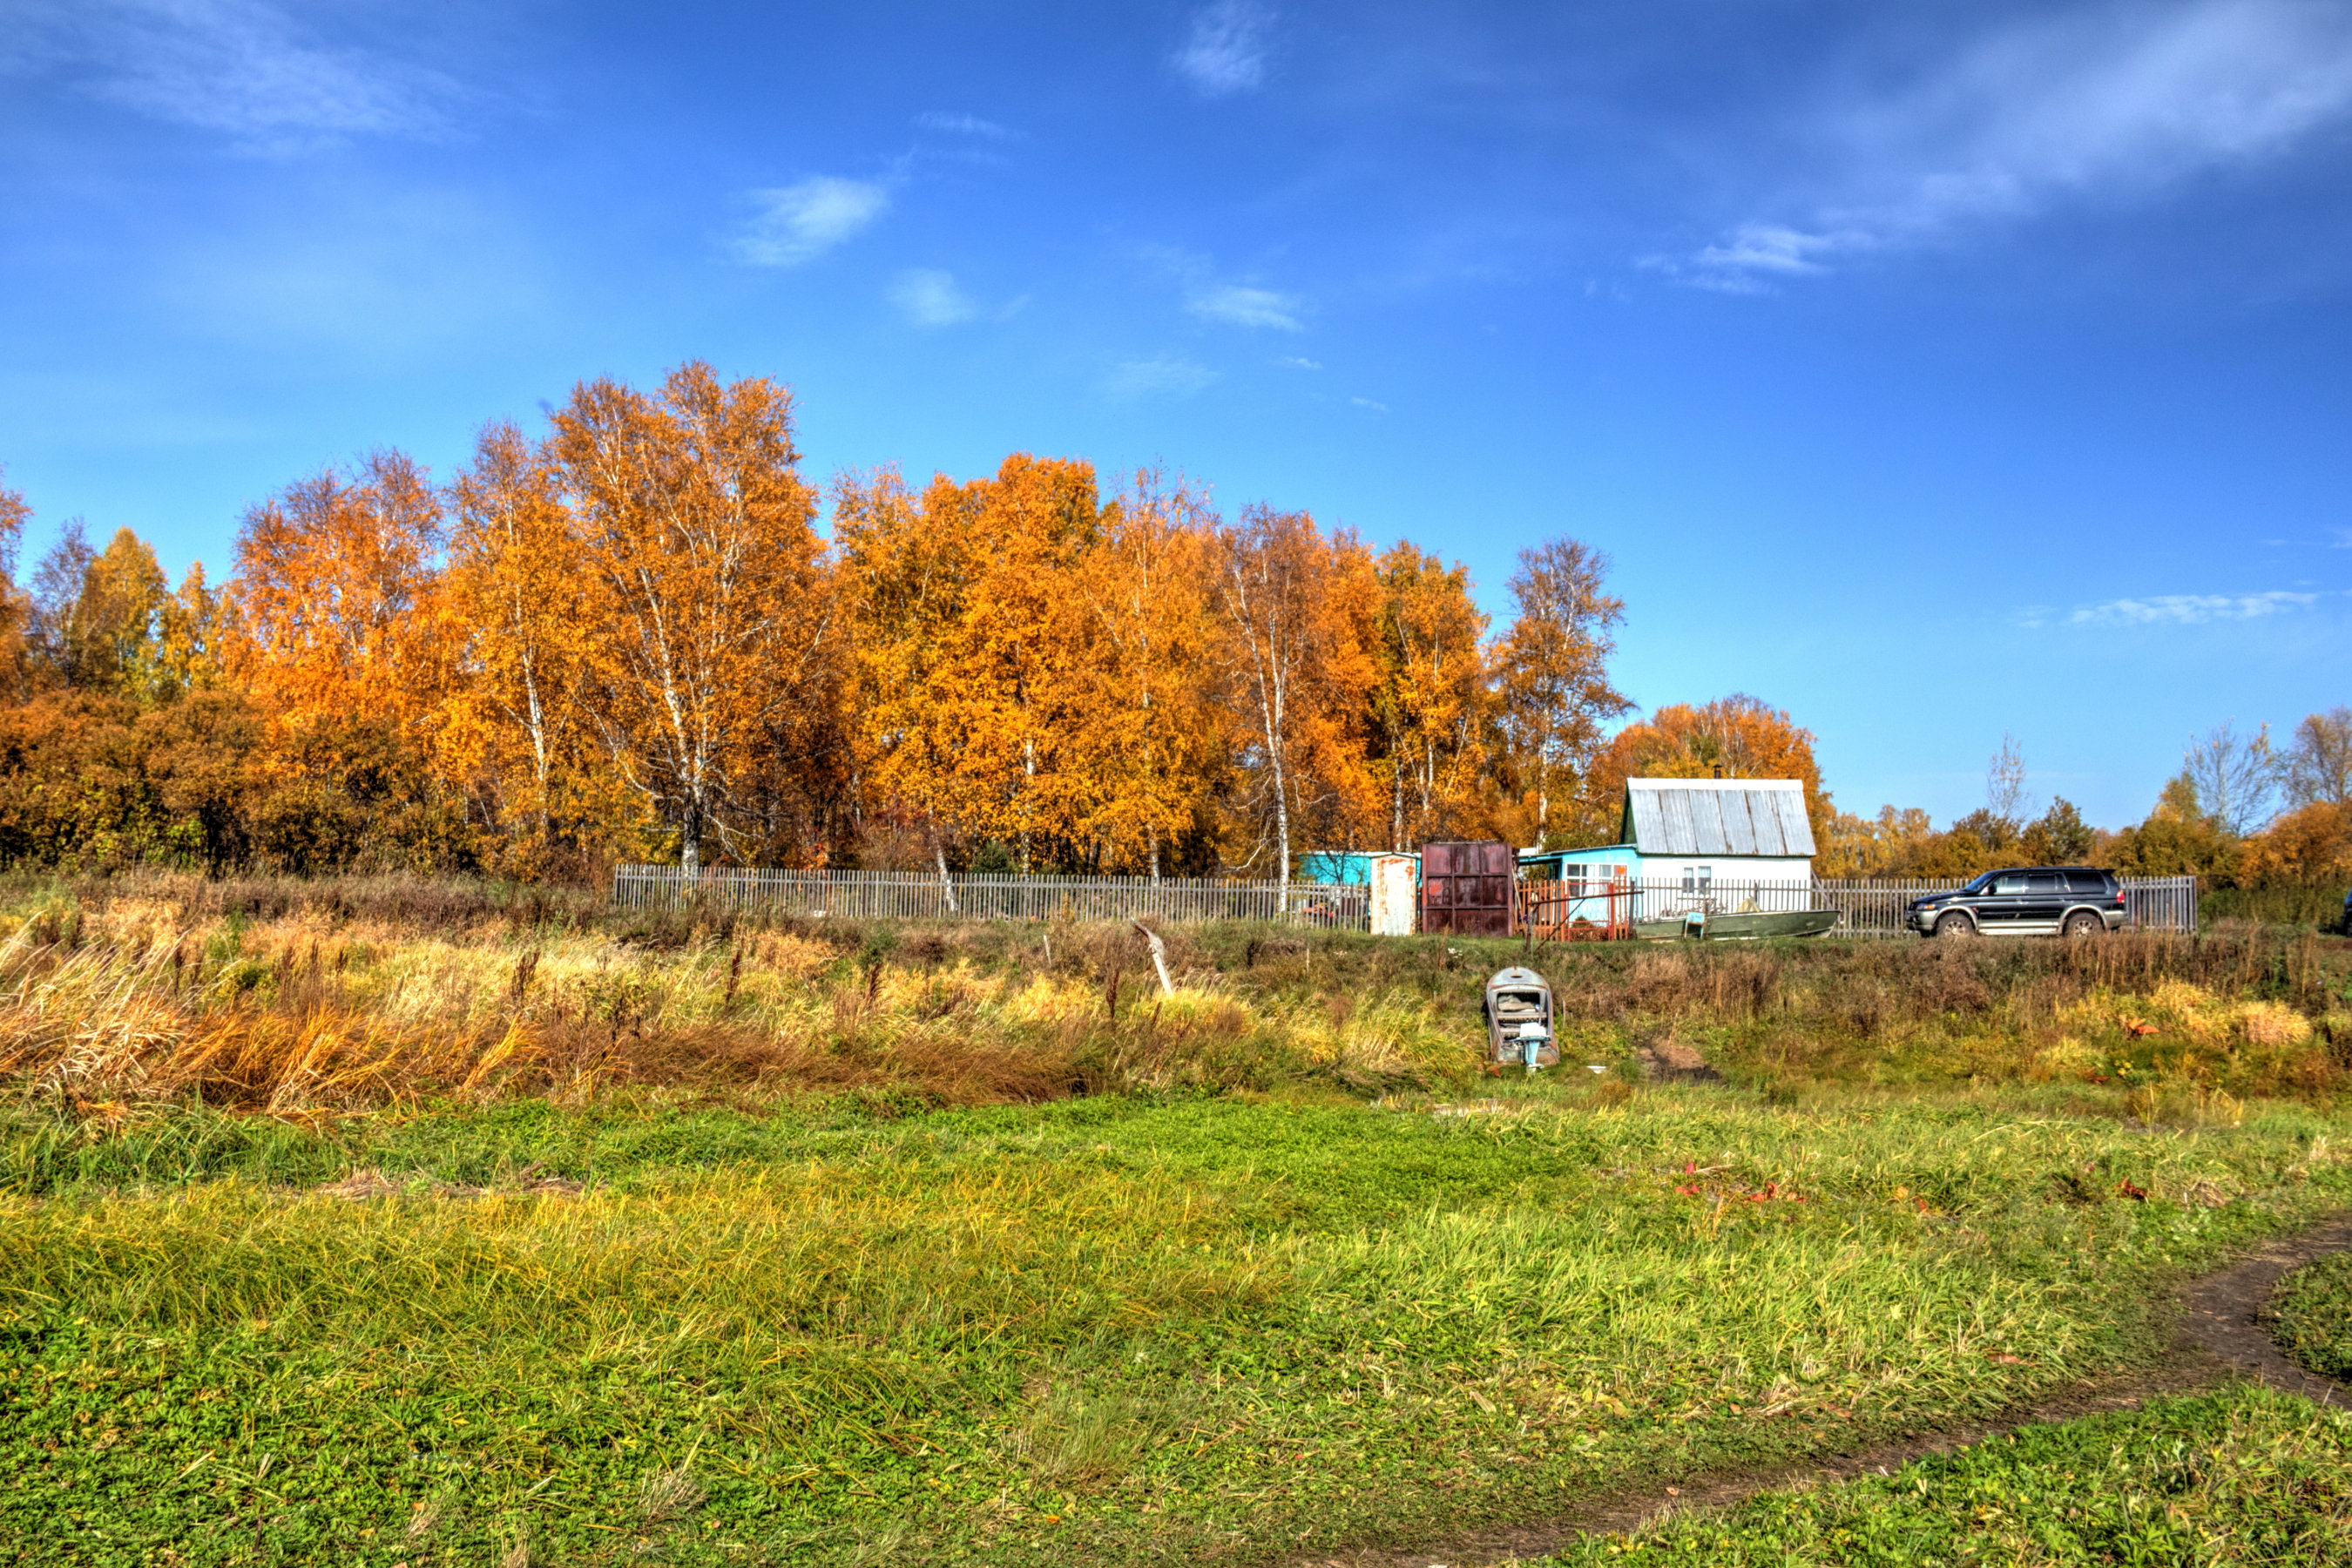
(2219, 1338)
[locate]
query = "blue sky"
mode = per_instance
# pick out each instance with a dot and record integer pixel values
(1936, 371)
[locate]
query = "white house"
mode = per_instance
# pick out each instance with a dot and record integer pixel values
(1698, 843)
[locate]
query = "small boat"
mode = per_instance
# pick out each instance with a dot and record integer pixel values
(1747, 927)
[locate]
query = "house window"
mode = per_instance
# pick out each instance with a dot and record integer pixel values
(1690, 878)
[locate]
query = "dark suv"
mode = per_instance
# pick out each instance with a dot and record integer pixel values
(2025, 900)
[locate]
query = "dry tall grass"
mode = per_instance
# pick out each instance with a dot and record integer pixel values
(2237, 1007)
(257, 997)
(288, 998)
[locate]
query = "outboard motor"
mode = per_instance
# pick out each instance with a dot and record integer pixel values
(1518, 1019)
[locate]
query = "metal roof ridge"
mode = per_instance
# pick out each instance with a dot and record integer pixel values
(1715, 783)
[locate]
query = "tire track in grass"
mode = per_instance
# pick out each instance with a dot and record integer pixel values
(2219, 1337)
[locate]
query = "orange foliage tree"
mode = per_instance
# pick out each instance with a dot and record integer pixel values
(1031, 661)
(1734, 737)
(335, 598)
(625, 633)
(1297, 612)
(1553, 687)
(1433, 702)
(334, 630)
(714, 626)
(1151, 737)
(519, 735)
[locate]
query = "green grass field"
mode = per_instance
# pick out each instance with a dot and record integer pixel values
(1104, 1330)
(2242, 1476)
(2311, 1316)
(392, 1223)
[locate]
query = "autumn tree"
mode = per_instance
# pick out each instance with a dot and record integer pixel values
(1552, 670)
(1296, 611)
(976, 641)
(2059, 837)
(1431, 700)
(107, 621)
(2309, 846)
(2317, 761)
(694, 532)
(1734, 737)
(2236, 777)
(13, 515)
(2179, 838)
(335, 600)
(1151, 737)
(519, 732)
(191, 639)
(53, 605)
(335, 628)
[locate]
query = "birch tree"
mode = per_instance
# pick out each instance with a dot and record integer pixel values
(1150, 736)
(1552, 667)
(1431, 700)
(1294, 611)
(694, 531)
(519, 732)
(336, 597)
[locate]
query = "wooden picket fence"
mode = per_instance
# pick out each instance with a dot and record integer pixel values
(924, 895)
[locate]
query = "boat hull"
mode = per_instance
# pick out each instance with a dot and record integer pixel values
(1752, 927)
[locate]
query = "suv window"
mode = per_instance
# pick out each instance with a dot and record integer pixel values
(2043, 882)
(2011, 882)
(2086, 882)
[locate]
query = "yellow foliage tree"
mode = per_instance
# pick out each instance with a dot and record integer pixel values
(694, 534)
(1433, 702)
(519, 734)
(1734, 737)
(1297, 613)
(1552, 675)
(1150, 736)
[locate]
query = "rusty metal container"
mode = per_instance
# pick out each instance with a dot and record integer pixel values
(1469, 888)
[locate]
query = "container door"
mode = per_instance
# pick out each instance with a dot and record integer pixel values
(1392, 896)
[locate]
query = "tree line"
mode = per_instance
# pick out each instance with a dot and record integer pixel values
(623, 636)
(2244, 811)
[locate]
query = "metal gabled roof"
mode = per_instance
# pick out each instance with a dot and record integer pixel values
(1718, 816)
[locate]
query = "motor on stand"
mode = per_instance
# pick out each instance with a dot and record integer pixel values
(1519, 1019)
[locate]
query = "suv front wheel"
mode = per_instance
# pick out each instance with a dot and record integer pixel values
(1956, 925)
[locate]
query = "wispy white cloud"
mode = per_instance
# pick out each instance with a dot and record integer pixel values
(1292, 361)
(1166, 376)
(1369, 403)
(930, 298)
(241, 68)
(2097, 102)
(793, 222)
(1225, 51)
(957, 124)
(2190, 609)
(1245, 307)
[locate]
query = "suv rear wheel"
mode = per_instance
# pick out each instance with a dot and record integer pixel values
(2083, 923)
(1956, 925)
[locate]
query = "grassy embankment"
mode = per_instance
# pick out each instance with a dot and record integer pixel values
(815, 1245)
